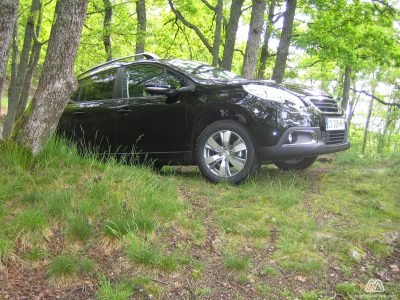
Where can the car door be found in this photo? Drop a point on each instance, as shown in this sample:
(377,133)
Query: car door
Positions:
(91,117)
(151,122)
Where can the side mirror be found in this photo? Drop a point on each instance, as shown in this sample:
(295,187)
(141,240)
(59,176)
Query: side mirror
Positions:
(189,88)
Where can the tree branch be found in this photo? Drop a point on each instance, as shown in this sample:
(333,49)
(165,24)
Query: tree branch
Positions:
(209,5)
(386,6)
(312,64)
(191,26)
(376,98)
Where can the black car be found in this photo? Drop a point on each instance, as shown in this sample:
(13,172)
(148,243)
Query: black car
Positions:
(184,112)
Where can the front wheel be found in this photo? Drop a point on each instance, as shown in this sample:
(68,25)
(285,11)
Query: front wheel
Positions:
(225,152)
(296,164)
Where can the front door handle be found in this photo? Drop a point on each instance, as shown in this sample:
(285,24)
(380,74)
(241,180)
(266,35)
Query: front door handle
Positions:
(123,110)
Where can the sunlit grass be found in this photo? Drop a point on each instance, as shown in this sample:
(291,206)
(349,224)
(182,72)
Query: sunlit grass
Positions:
(275,226)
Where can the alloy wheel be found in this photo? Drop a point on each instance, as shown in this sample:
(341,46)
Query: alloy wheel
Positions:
(225,153)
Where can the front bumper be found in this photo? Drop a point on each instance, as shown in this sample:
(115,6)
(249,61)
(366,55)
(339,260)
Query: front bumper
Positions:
(284,151)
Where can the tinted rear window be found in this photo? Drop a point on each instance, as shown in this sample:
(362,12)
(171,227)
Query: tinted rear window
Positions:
(97,87)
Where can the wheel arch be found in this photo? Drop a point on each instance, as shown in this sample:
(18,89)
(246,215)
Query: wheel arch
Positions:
(210,116)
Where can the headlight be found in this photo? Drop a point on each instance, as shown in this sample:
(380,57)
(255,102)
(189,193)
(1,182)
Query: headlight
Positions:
(272,94)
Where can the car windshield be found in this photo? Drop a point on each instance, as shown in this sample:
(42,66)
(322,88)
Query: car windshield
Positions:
(203,71)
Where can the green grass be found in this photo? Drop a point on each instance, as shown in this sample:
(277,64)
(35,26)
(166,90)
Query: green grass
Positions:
(67,266)
(78,229)
(76,216)
(31,220)
(235,262)
(63,266)
(119,291)
(147,253)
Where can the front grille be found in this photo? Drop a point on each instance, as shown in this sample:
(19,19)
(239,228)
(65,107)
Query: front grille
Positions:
(325,104)
(334,137)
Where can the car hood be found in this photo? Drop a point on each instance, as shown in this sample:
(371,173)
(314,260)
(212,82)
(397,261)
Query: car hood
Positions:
(303,90)
(296,89)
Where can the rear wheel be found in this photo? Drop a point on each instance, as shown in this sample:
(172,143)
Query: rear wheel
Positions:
(225,152)
(296,164)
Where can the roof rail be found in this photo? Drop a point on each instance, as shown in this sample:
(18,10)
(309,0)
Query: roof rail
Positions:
(146,55)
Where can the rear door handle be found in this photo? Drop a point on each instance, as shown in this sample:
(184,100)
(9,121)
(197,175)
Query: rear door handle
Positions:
(78,112)
(123,110)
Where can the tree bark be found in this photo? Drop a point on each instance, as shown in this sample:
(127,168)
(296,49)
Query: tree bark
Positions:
(284,42)
(108,12)
(57,81)
(14,60)
(352,104)
(231,30)
(16,88)
(388,124)
(141,26)
(8,17)
(267,36)
(254,39)
(346,87)
(33,61)
(217,35)
(24,96)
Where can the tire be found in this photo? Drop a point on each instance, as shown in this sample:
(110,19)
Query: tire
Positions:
(225,152)
(296,164)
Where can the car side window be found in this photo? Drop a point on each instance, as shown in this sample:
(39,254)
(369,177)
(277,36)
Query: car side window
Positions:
(97,87)
(137,77)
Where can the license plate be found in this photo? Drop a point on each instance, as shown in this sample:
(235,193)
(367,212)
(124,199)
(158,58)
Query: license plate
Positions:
(335,124)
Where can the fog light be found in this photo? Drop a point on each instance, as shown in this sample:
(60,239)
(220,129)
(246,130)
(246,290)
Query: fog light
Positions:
(314,136)
(292,137)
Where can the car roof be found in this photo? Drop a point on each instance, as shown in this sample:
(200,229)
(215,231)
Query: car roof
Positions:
(117,63)
(181,66)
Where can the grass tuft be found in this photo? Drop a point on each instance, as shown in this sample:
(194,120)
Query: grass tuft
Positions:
(236,262)
(67,266)
(79,230)
(119,291)
(31,220)
(144,252)
(62,266)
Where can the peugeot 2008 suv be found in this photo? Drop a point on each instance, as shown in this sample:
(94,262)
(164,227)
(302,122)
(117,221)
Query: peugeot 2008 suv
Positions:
(184,112)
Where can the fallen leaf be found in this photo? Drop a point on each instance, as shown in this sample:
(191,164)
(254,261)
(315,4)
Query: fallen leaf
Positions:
(301,278)
(395,268)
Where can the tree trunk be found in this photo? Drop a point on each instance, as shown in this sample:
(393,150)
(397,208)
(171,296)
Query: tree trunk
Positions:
(8,17)
(16,89)
(346,87)
(284,42)
(141,26)
(33,61)
(14,60)
(230,36)
(364,143)
(108,12)
(57,81)
(217,35)
(267,36)
(352,104)
(254,39)
(388,122)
